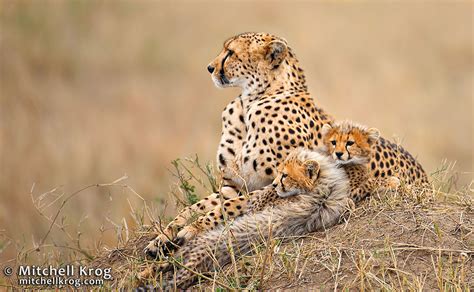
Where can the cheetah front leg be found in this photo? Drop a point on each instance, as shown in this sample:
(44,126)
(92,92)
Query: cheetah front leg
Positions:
(230,209)
(163,244)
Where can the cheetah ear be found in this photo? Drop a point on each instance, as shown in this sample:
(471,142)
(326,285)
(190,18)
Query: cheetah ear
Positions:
(312,169)
(325,129)
(374,135)
(275,53)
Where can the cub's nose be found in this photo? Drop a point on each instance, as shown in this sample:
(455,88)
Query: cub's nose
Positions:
(339,154)
(210,69)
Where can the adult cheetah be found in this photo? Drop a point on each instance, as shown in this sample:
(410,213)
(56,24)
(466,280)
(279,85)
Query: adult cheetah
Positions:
(273,115)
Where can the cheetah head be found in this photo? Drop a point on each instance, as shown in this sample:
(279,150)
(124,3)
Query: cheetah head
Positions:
(348,142)
(248,59)
(297,174)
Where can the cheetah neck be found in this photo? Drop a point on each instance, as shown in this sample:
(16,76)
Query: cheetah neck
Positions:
(288,77)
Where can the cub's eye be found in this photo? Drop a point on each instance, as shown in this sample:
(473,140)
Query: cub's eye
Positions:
(333,142)
(350,143)
(284,175)
(230,52)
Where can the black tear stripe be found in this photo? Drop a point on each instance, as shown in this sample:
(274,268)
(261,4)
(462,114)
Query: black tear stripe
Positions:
(229,53)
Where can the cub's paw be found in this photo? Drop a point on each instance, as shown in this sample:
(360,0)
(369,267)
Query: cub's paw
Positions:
(161,246)
(151,250)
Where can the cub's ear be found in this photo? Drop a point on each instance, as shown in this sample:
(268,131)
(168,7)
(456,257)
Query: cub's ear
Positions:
(311,169)
(275,53)
(374,135)
(325,129)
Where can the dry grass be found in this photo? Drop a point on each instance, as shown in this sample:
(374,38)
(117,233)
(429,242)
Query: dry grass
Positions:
(412,239)
(93,90)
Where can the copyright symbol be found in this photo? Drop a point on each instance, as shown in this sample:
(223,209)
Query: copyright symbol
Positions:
(8,271)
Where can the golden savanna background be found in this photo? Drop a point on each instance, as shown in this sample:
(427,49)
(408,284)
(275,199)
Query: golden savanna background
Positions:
(93,90)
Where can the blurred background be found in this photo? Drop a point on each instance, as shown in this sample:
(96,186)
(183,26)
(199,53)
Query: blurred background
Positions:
(93,90)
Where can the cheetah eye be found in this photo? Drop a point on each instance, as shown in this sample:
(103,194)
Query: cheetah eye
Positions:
(350,143)
(333,142)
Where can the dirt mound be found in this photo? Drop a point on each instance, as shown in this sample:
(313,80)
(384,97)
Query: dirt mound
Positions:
(403,240)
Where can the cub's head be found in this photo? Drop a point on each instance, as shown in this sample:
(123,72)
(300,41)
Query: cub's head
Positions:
(298,174)
(247,59)
(348,142)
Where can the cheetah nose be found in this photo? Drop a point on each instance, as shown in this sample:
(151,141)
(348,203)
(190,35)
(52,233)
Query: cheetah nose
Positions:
(210,69)
(339,154)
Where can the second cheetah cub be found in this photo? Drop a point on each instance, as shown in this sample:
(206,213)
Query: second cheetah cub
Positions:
(351,146)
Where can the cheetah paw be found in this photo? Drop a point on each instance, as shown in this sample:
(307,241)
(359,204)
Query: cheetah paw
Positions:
(159,247)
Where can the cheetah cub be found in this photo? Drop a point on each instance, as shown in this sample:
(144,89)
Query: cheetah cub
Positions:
(294,176)
(351,146)
(309,193)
